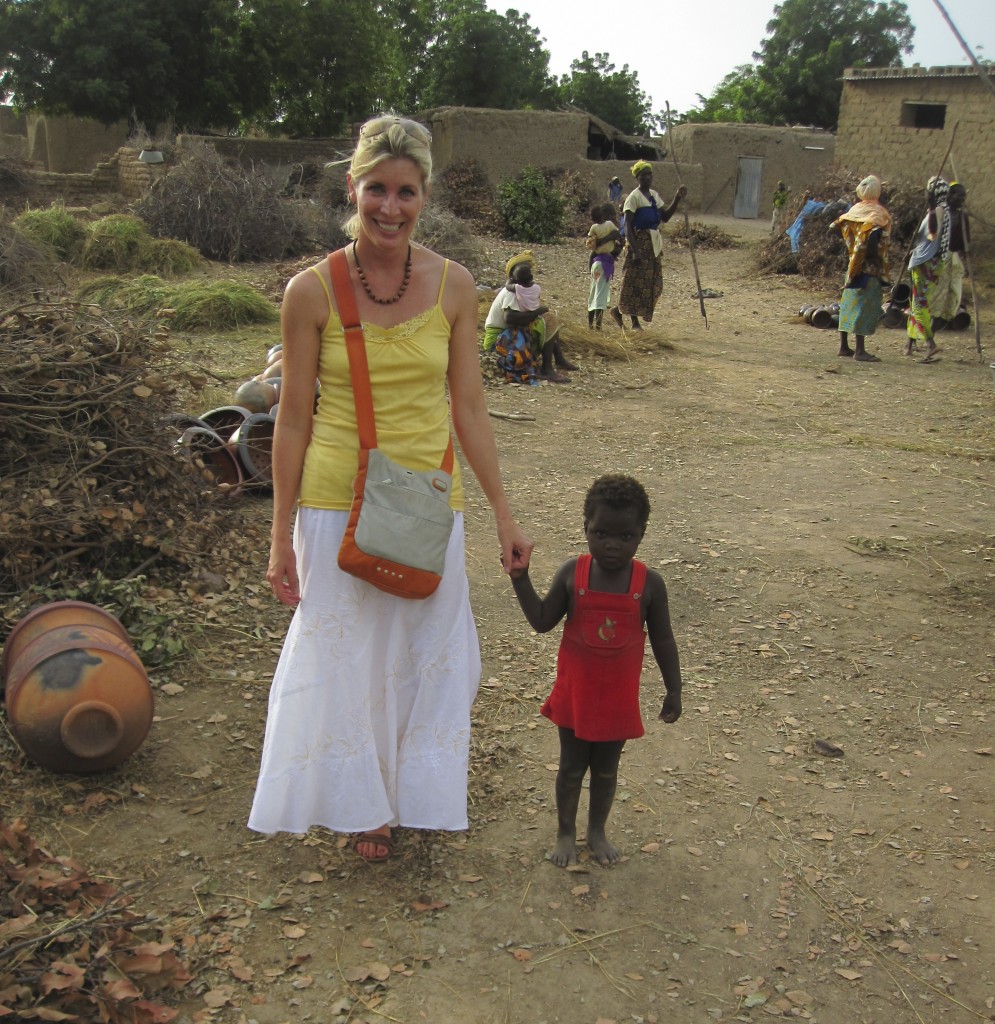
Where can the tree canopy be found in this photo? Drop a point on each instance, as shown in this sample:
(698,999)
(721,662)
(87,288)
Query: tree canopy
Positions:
(485,59)
(113,61)
(594,85)
(285,66)
(809,44)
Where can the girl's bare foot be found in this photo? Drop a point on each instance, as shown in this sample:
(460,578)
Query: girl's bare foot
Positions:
(565,852)
(604,851)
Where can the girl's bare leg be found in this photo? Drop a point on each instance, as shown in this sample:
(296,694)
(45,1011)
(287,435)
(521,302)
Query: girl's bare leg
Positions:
(575,756)
(604,760)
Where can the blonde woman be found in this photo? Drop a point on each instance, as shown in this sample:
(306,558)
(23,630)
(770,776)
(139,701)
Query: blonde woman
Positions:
(369,715)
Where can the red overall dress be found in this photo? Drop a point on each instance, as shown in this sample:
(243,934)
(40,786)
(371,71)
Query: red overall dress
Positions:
(596,693)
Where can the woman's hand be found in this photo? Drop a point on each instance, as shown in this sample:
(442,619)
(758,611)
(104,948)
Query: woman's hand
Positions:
(516,546)
(282,573)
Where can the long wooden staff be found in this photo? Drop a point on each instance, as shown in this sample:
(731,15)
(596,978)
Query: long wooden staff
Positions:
(970,272)
(687,223)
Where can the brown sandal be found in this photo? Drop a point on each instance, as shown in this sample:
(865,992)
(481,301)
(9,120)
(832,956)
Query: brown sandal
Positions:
(374,839)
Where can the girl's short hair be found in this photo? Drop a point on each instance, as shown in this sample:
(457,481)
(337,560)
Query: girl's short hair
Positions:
(617,491)
(386,137)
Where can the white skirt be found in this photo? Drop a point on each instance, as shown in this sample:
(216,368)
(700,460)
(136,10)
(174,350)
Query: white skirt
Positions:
(369,711)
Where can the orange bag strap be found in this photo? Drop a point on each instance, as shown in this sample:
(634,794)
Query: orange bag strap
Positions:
(359,368)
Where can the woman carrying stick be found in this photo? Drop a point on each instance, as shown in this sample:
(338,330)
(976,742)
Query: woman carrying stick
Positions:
(642,274)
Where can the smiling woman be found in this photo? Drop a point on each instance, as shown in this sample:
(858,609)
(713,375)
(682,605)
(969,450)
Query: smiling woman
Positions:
(369,714)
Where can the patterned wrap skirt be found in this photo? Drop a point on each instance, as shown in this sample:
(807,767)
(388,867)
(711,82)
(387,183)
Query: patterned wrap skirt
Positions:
(642,278)
(860,308)
(369,711)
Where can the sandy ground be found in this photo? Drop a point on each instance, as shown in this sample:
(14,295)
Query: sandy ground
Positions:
(825,530)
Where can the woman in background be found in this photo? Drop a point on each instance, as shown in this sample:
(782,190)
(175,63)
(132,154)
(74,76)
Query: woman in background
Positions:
(866,229)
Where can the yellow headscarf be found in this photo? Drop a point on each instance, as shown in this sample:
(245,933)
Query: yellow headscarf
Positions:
(523,257)
(639,166)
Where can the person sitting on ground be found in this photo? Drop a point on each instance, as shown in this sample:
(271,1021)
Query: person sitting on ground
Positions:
(504,313)
(527,292)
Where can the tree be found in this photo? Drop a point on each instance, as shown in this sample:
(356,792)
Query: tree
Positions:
(809,44)
(326,63)
(144,60)
(595,86)
(485,59)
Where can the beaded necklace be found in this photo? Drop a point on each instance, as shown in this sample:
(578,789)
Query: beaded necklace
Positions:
(396,297)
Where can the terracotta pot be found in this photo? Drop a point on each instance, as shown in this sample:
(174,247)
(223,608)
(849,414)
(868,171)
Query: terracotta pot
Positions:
(804,310)
(177,422)
(77,696)
(45,617)
(961,320)
(253,445)
(213,451)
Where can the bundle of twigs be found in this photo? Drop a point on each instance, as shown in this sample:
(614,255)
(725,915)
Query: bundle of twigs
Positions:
(821,255)
(88,475)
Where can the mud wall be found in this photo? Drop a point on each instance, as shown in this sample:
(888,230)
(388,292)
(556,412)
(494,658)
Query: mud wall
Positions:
(71,145)
(798,156)
(878,132)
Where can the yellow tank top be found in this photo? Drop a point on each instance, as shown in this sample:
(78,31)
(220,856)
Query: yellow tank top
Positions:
(408,365)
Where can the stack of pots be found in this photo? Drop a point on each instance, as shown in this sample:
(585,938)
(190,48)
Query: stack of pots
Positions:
(76,693)
(824,317)
(234,445)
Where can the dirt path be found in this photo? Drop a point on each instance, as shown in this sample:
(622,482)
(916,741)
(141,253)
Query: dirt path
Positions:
(825,529)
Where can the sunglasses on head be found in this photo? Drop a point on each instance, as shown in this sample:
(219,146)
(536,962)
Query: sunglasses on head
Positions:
(381,125)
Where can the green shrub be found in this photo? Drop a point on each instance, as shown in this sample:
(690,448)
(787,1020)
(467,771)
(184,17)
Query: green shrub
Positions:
(114,243)
(55,228)
(531,207)
(168,256)
(25,263)
(217,305)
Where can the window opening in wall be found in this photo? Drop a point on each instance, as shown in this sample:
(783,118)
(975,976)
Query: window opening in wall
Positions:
(923,115)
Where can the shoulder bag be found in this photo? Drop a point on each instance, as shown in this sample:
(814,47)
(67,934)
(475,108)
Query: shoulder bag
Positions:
(400,520)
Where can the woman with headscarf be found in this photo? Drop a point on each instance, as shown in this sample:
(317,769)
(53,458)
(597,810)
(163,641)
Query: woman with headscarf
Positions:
(865,228)
(642,275)
(935,267)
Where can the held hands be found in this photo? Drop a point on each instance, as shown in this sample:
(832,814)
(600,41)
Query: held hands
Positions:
(516,547)
(671,709)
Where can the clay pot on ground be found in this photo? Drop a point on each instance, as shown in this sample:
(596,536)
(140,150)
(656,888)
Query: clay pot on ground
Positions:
(257,395)
(77,695)
(253,445)
(217,458)
(822,318)
(226,419)
(893,316)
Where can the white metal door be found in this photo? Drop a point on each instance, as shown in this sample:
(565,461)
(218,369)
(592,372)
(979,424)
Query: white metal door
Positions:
(747,202)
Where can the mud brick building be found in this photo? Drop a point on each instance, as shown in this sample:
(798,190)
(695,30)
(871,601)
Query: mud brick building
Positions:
(899,122)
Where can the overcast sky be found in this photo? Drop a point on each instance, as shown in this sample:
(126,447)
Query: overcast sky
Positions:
(680,50)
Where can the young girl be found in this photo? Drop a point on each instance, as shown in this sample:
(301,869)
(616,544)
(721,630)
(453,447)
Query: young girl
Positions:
(608,598)
(601,240)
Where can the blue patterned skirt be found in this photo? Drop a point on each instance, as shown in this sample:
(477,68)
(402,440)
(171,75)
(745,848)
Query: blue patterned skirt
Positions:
(860,308)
